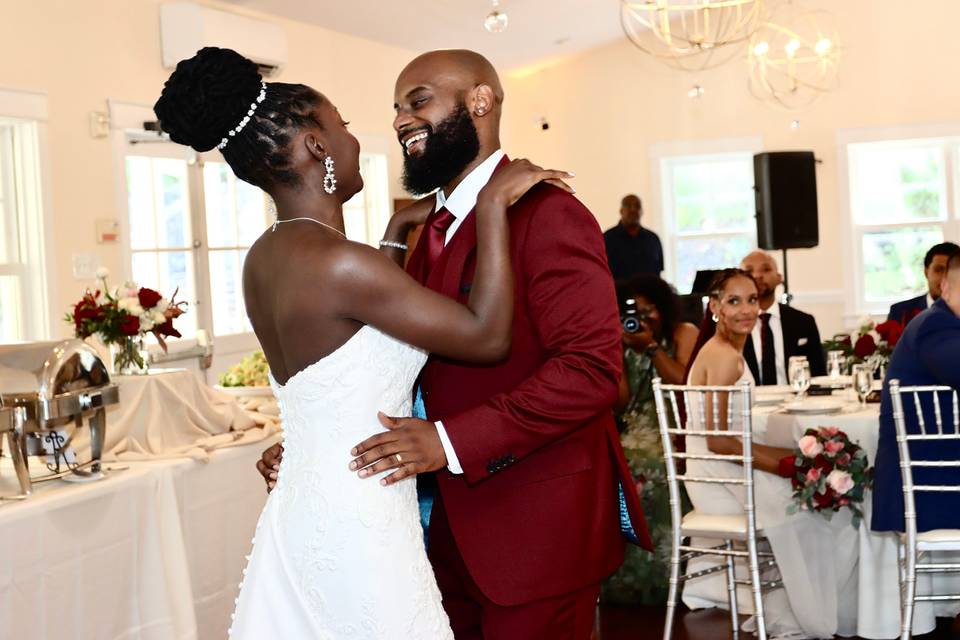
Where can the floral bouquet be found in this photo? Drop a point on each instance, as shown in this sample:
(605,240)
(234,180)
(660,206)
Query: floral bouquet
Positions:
(872,345)
(828,473)
(251,371)
(123,317)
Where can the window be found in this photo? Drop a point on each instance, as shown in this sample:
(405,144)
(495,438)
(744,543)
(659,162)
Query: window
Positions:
(366,214)
(22,284)
(902,201)
(708,207)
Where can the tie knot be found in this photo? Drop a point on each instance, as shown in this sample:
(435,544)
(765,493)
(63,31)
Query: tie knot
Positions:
(765,317)
(442,220)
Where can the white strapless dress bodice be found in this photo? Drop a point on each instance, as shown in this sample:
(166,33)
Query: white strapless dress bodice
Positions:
(336,556)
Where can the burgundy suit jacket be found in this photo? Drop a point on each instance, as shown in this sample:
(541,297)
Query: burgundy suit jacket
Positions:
(535,513)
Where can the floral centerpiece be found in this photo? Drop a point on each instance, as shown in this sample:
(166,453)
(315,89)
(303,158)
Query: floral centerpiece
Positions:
(122,318)
(872,344)
(828,473)
(251,371)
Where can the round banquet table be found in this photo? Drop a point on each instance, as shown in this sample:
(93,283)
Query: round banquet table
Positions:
(878,599)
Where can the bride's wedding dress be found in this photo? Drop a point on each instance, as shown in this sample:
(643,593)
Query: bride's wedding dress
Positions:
(337,556)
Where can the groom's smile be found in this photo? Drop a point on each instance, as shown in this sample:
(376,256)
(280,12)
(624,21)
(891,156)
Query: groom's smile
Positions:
(414,142)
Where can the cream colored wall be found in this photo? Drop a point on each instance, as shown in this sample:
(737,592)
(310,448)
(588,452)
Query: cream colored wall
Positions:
(607,107)
(83,52)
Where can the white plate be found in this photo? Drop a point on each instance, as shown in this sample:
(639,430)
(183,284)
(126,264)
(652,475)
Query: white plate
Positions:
(815,405)
(771,394)
(838,382)
(245,391)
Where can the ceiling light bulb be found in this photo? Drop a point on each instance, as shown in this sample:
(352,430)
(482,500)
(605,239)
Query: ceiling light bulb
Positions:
(792,47)
(795,125)
(761,48)
(695,91)
(496,22)
(823,46)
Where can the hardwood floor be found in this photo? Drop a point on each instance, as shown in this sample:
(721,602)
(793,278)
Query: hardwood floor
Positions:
(646,623)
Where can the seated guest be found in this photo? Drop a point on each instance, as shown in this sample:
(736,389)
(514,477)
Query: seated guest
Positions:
(816,557)
(928,353)
(631,249)
(934,268)
(783,332)
(661,348)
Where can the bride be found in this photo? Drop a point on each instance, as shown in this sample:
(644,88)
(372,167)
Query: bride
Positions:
(345,331)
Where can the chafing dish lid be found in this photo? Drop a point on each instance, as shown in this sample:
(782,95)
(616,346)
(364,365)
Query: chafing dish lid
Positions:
(53,368)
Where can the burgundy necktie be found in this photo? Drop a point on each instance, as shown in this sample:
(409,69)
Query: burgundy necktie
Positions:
(768,361)
(436,230)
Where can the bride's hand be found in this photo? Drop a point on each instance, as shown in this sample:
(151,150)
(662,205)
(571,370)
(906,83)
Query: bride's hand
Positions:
(512,181)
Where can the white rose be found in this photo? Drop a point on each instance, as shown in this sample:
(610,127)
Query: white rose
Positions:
(103,273)
(840,481)
(131,305)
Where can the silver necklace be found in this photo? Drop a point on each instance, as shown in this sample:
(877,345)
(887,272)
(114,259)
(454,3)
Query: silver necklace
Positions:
(277,222)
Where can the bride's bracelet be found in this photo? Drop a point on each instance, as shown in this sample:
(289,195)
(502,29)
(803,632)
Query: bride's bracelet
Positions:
(393,245)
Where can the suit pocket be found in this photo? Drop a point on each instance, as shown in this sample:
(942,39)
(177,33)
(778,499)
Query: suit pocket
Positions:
(802,342)
(563,458)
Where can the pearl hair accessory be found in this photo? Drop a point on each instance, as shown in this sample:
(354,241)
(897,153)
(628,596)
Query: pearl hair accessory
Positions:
(253,107)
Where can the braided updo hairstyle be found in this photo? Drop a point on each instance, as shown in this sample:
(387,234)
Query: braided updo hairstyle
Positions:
(209,94)
(720,280)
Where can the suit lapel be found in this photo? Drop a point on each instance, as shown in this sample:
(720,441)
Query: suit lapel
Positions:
(750,355)
(790,338)
(448,272)
(416,266)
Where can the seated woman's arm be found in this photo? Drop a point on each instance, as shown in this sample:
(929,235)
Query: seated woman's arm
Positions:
(726,372)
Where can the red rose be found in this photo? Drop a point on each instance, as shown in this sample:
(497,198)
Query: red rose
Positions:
(821,463)
(130,325)
(823,499)
(866,346)
(788,466)
(148,298)
(891,330)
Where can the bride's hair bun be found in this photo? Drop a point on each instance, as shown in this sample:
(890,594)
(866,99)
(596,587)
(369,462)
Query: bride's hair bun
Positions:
(207,96)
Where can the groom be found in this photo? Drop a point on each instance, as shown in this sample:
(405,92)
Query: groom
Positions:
(526,522)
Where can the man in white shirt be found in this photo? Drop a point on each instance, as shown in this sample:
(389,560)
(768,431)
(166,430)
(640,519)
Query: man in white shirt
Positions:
(781,331)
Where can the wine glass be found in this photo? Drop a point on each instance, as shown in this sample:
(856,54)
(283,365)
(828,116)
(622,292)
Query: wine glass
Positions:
(862,381)
(799,375)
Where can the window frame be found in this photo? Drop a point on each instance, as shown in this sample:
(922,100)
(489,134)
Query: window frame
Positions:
(661,201)
(946,137)
(37,316)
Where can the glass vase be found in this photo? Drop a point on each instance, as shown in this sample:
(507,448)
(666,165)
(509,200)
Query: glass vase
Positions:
(129,357)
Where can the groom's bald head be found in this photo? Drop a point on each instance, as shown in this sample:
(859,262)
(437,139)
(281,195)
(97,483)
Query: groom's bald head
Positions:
(448,115)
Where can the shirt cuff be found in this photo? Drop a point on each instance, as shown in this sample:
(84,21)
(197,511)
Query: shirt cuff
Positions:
(453,463)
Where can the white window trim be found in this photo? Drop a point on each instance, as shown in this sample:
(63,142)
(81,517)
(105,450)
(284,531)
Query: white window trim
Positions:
(32,105)
(686,148)
(853,265)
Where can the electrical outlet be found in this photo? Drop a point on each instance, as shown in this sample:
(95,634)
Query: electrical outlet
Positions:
(85,266)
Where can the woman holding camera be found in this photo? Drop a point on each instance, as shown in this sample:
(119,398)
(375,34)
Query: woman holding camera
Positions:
(656,345)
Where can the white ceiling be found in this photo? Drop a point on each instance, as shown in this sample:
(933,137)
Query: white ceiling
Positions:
(539,30)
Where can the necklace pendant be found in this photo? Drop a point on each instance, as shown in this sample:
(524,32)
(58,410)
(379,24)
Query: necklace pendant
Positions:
(275,223)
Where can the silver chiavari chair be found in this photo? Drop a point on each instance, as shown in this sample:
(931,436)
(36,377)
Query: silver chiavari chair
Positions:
(911,544)
(729,529)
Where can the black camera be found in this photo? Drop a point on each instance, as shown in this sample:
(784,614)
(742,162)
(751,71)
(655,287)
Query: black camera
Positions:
(631,319)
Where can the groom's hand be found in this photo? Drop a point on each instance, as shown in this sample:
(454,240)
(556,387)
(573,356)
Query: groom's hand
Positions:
(410,446)
(269,464)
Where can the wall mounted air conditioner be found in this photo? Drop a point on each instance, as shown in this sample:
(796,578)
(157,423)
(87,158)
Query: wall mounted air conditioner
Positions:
(186,27)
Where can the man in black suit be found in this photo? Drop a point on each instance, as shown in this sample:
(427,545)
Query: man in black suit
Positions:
(934,268)
(782,331)
(631,248)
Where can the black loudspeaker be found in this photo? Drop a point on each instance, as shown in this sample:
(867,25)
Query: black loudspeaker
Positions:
(786,189)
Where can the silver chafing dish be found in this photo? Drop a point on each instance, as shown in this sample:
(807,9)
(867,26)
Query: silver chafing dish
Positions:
(52,389)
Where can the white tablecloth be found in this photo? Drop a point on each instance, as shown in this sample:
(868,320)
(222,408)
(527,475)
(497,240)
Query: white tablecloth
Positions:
(878,608)
(170,413)
(154,552)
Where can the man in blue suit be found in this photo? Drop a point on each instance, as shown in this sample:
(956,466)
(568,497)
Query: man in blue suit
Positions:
(934,268)
(928,353)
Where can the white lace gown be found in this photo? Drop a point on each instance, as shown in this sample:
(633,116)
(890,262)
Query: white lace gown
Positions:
(336,556)
(817,558)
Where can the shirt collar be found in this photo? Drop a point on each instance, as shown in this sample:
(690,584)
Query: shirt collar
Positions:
(464,196)
(774,310)
(930,300)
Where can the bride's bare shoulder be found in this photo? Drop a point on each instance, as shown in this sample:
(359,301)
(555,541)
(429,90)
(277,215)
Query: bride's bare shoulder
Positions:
(720,362)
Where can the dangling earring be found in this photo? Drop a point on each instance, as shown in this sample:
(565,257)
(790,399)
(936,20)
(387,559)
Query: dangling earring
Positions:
(329,180)
(715,318)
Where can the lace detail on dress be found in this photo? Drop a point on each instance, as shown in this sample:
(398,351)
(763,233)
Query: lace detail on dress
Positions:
(345,553)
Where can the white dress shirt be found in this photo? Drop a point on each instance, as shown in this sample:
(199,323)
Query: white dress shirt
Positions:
(460,203)
(930,300)
(757,336)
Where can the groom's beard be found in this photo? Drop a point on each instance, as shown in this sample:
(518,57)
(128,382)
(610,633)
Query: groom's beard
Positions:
(451,146)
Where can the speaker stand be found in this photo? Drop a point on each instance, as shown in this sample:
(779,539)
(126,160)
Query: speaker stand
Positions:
(787,296)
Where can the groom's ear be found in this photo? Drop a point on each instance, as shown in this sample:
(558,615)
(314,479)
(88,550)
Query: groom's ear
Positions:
(314,147)
(483,100)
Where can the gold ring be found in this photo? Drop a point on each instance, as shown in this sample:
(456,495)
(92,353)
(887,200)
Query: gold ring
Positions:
(399,459)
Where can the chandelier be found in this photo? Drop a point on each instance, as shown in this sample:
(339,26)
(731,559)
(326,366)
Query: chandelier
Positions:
(691,34)
(496,21)
(794,57)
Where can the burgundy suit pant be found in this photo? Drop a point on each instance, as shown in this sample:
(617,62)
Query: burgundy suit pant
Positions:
(473,616)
